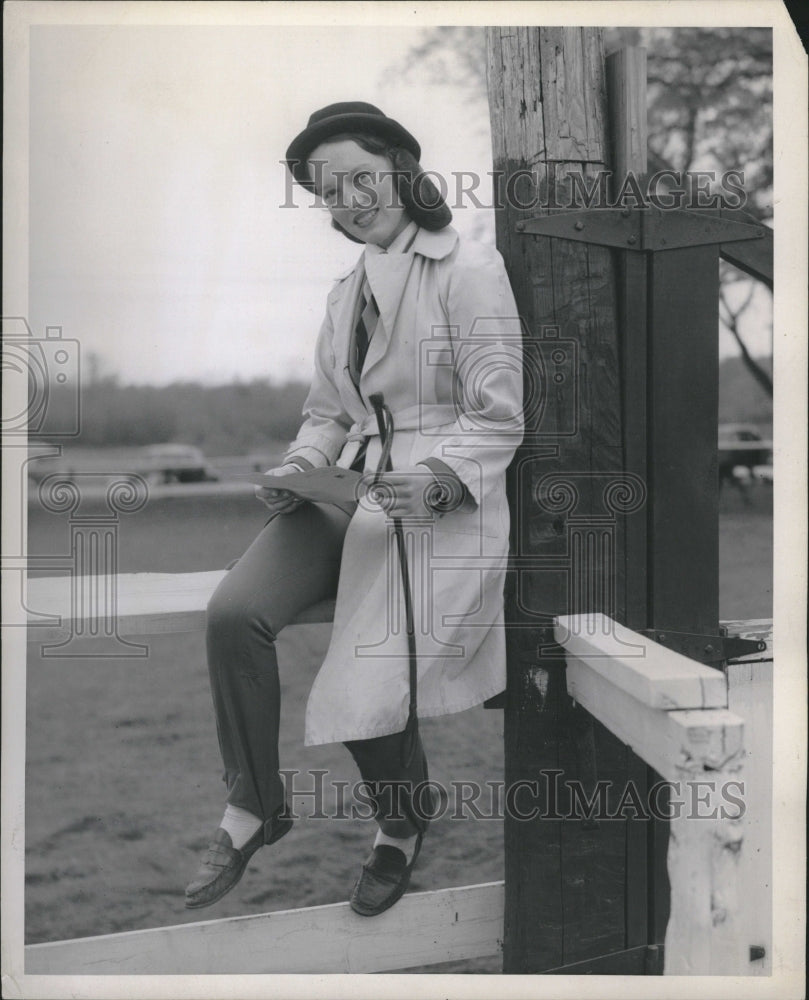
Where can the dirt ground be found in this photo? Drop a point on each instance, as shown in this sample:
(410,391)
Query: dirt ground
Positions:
(122,766)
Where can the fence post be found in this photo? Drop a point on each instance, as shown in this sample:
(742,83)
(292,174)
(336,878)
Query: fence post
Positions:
(566,881)
(648,906)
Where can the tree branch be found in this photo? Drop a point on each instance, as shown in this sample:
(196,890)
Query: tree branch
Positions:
(731,321)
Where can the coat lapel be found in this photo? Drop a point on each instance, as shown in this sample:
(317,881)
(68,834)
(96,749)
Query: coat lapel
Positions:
(344,318)
(388,275)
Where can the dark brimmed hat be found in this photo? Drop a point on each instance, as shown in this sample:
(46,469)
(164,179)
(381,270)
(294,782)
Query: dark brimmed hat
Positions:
(347,116)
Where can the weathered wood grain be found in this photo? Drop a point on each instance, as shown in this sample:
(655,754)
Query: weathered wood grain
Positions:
(547,108)
(705,934)
(750,695)
(626,105)
(573,94)
(706,928)
(626,84)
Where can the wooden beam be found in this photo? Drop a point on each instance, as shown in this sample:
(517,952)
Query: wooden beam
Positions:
(750,695)
(711,870)
(145,604)
(626,89)
(565,897)
(157,491)
(648,672)
(706,930)
(668,708)
(662,738)
(702,752)
(754,257)
(156,603)
(424,928)
(627,101)
(683,569)
(628,130)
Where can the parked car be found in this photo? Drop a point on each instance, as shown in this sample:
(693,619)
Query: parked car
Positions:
(176,463)
(741,447)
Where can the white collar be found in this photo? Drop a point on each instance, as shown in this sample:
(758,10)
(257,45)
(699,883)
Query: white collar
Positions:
(435,245)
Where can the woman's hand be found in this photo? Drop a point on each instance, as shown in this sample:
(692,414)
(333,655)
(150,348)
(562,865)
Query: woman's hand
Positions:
(405,492)
(279,501)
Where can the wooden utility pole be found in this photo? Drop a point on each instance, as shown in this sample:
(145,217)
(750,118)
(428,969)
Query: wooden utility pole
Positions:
(575,890)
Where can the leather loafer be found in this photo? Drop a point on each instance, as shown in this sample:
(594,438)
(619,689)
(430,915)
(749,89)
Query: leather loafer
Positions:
(384,879)
(223,864)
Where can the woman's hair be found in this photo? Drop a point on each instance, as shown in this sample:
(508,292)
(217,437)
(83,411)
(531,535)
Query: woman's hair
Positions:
(421,199)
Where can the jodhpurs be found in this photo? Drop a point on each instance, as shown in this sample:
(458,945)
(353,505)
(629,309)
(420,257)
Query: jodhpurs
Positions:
(293,563)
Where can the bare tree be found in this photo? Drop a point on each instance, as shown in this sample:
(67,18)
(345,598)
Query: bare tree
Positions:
(730,317)
(710,102)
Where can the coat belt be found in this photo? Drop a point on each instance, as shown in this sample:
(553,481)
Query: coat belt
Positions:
(411,418)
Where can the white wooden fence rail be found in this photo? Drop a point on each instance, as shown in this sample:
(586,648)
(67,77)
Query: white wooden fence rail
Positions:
(144,604)
(424,928)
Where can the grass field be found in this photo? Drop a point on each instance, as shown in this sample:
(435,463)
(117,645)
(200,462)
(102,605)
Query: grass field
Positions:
(122,765)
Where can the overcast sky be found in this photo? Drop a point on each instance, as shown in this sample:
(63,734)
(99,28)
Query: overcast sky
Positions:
(157,236)
(157,239)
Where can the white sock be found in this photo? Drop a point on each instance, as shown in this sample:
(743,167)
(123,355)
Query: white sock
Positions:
(240,824)
(406,845)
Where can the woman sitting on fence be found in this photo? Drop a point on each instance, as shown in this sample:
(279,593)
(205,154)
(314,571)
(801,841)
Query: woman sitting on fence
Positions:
(427,320)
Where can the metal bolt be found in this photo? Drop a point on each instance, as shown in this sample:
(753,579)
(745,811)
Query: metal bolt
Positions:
(632,239)
(757,951)
(709,648)
(661,637)
(520,227)
(625,213)
(579,226)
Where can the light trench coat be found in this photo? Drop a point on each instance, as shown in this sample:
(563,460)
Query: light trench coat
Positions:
(446,354)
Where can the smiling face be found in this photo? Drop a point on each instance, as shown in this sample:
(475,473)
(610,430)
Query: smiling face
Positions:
(359,191)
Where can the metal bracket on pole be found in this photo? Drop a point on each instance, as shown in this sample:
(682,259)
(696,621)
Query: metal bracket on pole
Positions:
(672,289)
(645,228)
(706,649)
